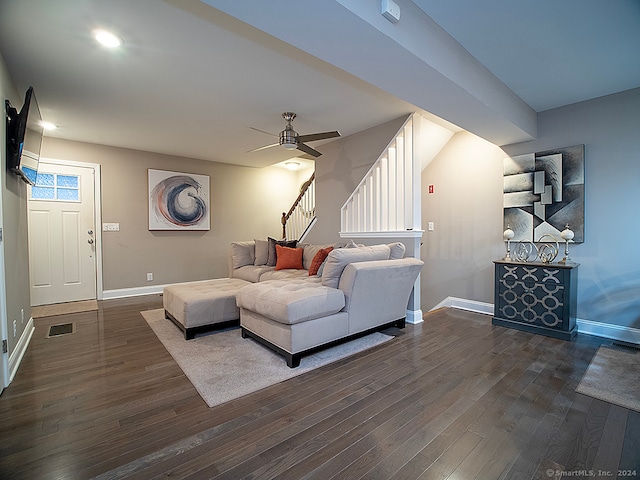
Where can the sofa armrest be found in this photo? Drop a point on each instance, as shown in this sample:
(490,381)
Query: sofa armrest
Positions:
(377,292)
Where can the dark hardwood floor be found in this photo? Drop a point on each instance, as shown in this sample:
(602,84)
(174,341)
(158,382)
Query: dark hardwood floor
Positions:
(451,398)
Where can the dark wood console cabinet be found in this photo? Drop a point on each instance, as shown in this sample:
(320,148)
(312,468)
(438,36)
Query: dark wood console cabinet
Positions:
(536,297)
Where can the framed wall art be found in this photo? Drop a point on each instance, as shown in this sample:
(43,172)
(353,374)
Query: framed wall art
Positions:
(544,192)
(178,201)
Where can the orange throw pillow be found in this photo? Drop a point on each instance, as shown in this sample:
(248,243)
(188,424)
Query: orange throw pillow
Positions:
(287,257)
(318,259)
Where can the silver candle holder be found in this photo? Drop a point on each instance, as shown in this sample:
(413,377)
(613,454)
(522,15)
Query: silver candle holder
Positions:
(567,235)
(508,234)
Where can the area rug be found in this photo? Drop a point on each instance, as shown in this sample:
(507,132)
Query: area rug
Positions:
(63,308)
(223,366)
(613,377)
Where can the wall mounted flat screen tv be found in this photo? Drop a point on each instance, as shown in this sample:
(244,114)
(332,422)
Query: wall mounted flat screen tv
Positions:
(24,137)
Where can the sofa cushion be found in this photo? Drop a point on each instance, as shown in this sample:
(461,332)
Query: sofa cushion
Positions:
(288,273)
(242,253)
(321,269)
(310,251)
(397,250)
(339,258)
(290,302)
(272,258)
(319,257)
(251,273)
(287,257)
(262,252)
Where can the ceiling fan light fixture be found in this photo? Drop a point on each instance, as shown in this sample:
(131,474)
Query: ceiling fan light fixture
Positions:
(289,138)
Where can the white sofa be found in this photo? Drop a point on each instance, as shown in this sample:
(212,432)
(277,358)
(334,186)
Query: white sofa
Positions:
(361,289)
(196,307)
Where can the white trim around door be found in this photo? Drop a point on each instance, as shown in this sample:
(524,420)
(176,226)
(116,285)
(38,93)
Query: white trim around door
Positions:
(97,213)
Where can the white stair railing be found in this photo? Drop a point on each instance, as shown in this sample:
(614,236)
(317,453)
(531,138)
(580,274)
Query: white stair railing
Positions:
(302,215)
(388,197)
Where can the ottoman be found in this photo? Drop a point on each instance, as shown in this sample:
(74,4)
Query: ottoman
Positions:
(293,318)
(204,305)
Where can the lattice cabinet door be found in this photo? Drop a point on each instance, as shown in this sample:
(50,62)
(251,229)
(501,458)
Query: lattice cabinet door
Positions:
(536,297)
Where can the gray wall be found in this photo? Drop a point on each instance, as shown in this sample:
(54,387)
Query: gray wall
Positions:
(246,203)
(14,229)
(609,273)
(467,209)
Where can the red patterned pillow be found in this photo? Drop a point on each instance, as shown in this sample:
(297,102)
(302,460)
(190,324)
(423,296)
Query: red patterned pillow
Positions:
(318,259)
(287,257)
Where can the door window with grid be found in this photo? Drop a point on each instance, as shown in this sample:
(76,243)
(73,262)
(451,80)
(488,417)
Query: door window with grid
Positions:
(55,187)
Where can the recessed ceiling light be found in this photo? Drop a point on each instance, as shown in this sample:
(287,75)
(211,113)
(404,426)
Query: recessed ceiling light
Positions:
(292,165)
(48,125)
(107,39)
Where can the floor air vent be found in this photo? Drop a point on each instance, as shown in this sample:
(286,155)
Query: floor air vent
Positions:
(628,346)
(63,329)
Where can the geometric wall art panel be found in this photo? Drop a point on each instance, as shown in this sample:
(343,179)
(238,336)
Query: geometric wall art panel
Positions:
(544,192)
(178,201)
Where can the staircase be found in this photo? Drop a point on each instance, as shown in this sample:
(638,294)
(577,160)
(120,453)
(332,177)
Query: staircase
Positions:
(386,203)
(297,222)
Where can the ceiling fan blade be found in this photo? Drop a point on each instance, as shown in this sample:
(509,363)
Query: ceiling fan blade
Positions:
(263,148)
(307,149)
(262,131)
(318,136)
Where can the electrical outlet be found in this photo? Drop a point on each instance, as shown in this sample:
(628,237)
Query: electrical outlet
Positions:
(15,329)
(149,277)
(430,226)
(22,315)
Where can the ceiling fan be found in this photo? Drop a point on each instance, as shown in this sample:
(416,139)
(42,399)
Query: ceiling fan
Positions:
(290,139)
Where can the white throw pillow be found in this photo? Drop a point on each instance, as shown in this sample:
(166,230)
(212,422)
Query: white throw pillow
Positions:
(397,250)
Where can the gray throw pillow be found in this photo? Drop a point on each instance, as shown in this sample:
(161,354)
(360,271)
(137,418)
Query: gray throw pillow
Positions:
(272,257)
(262,252)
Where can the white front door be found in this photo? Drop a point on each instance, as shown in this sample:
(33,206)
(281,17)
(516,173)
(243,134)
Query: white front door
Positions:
(62,235)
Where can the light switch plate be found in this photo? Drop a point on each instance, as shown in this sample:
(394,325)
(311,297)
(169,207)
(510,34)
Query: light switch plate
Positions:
(110,227)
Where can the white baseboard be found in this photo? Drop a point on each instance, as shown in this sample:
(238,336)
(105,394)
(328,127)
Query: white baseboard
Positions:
(132,292)
(16,356)
(464,304)
(607,330)
(587,327)
(414,317)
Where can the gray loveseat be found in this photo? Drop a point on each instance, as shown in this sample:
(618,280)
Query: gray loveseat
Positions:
(360,290)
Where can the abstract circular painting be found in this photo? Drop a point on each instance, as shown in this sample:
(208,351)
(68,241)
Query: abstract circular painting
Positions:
(178,201)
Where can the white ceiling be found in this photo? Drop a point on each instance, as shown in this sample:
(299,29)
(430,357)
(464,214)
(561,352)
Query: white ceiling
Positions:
(190,79)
